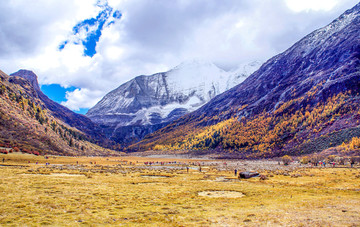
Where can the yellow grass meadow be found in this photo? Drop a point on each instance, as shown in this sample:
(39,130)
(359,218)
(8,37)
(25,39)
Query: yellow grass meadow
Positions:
(77,191)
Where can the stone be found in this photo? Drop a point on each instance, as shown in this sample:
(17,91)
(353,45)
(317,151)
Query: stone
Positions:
(247,174)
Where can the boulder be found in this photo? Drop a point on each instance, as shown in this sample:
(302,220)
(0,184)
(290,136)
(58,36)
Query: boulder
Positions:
(247,174)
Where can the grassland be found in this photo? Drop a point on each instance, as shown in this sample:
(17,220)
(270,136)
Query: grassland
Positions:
(76,191)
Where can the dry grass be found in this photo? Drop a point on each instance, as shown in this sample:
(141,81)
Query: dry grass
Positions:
(113,192)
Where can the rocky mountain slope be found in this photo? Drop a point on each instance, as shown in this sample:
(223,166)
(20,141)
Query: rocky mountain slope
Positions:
(78,121)
(300,101)
(31,122)
(147,103)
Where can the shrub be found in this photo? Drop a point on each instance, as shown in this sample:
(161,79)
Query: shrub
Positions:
(286,159)
(305,160)
(315,159)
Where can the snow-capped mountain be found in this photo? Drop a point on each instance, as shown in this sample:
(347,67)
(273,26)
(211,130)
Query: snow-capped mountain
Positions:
(147,103)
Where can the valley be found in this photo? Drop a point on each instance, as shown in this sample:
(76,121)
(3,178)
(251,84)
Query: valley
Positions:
(128,191)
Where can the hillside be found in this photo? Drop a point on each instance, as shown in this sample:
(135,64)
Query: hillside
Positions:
(303,100)
(29,124)
(78,121)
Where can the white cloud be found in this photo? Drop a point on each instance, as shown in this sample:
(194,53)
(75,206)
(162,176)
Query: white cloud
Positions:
(82,98)
(306,5)
(152,36)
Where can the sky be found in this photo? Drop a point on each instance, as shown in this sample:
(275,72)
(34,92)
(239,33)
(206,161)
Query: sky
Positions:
(83,49)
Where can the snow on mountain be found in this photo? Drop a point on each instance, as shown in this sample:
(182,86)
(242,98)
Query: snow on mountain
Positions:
(241,73)
(160,98)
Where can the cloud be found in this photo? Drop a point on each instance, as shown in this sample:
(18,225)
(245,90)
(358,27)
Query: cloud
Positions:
(28,26)
(85,96)
(147,36)
(307,5)
(88,32)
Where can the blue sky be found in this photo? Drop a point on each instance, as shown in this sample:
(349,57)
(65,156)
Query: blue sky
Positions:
(57,93)
(90,29)
(83,49)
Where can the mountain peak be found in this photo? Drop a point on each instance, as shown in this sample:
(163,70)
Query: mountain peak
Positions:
(28,75)
(348,15)
(356,8)
(195,63)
